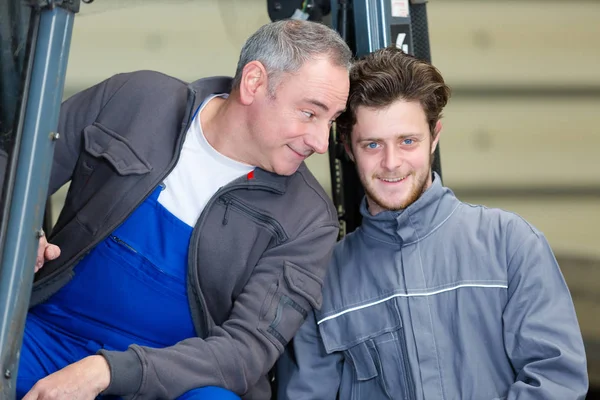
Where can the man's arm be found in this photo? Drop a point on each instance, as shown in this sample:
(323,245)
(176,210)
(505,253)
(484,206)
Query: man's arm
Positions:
(306,371)
(283,288)
(541,334)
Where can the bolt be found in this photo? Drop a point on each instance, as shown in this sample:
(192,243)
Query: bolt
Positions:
(7,374)
(277,6)
(54,135)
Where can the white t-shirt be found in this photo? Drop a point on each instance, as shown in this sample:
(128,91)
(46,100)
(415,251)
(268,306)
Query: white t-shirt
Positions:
(199,173)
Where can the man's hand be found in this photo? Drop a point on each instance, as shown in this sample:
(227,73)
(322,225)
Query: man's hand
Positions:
(46,252)
(83,380)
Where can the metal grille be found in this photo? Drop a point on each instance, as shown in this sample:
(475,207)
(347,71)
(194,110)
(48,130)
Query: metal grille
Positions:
(420,31)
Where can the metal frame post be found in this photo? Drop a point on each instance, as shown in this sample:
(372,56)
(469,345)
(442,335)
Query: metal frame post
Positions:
(422,50)
(31,180)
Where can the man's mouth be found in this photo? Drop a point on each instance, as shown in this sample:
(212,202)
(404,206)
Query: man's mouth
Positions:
(299,154)
(393,179)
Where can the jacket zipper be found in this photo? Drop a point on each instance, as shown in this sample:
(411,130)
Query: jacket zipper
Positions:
(123,243)
(270,223)
(408,381)
(193,248)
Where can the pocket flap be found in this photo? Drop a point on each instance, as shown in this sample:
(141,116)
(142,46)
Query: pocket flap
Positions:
(101,142)
(349,327)
(362,361)
(304,283)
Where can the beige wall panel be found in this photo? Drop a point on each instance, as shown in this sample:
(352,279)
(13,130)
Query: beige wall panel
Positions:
(483,42)
(521,142)
(516,42)
(187,39)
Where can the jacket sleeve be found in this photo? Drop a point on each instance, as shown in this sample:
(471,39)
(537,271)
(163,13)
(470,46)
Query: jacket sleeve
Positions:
(77,112)
(541,334)
(274,303)
(306,371)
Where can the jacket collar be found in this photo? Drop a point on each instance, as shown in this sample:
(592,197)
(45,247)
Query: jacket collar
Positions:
(415,222)
(202,88)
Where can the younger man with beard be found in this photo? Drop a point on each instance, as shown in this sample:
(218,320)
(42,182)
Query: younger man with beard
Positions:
(430,298)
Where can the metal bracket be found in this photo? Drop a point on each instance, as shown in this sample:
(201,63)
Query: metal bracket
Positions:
(69,5)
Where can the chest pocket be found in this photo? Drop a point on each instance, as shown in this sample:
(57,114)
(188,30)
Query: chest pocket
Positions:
(101,142)
(372,340)
(108,160)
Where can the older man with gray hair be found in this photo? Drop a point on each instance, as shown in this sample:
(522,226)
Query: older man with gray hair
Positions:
(194,240)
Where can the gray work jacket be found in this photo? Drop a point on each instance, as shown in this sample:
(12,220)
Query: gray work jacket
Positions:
(444,300)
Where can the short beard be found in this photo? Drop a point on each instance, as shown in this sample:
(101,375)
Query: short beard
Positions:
(416,192)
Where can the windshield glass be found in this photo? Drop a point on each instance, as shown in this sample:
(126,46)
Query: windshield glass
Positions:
(14,26)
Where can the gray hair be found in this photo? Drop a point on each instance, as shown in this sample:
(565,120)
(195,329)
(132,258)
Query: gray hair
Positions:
(284,46)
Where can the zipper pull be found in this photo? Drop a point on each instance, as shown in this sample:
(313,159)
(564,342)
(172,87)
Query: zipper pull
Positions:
(227,202)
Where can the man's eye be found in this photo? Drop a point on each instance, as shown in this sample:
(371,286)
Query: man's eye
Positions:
(408,141)
(372,145)
(308,114)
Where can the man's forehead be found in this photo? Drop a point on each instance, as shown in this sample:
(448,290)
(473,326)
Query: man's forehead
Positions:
(376,128)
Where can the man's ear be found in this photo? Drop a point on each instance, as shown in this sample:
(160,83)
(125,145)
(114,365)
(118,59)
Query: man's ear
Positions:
(254,80)
(436,135)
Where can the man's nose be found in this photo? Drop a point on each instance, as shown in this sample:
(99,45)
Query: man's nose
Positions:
(392,158)
(318,139)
